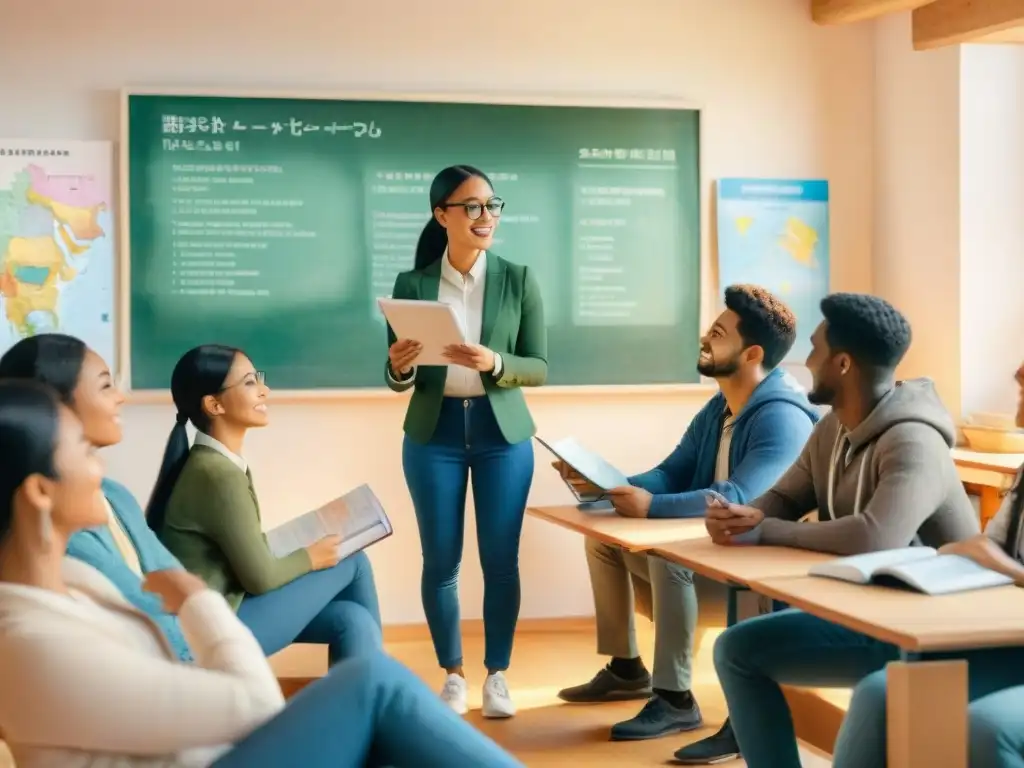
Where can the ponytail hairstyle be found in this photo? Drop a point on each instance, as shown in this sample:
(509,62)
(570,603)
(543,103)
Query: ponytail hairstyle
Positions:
(29,425)
(434,239)
(200,373)
(1016,511)
(54,359)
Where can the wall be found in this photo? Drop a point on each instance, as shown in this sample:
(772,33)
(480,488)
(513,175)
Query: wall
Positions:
(949,188)
(781,97)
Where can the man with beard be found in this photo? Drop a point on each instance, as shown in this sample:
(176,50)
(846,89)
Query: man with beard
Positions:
(736,447)
(879,471)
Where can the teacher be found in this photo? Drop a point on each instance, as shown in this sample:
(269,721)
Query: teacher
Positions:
(469,418)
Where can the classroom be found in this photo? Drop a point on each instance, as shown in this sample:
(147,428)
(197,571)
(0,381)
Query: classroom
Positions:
(909,109)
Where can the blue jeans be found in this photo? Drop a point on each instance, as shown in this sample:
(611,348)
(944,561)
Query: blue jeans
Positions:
(336,607)
(995,689)
(369,711)
(467,442)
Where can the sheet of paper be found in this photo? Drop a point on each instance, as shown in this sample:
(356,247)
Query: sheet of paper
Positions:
(357,517)
(587,463)
(432,323)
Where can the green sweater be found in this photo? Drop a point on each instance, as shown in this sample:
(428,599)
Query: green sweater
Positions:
(213,527)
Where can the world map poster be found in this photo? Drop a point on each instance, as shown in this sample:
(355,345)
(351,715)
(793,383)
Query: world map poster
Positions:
(775,233)
(57,242)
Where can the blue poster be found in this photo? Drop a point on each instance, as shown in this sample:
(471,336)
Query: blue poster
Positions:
(774,233)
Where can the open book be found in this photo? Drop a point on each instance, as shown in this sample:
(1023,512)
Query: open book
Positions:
(589,465)
(357,517)
(919,568)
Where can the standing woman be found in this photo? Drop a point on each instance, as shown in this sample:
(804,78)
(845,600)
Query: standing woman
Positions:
(469,419)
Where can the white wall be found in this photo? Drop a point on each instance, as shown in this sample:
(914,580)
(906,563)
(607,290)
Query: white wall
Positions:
(949,191)
(992,225)
(781,96)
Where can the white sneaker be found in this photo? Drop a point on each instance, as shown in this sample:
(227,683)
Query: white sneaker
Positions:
(497,701)
(454,694)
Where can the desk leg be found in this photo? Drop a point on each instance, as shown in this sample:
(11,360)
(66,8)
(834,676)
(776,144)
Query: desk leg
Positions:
(927,714)
(991,500)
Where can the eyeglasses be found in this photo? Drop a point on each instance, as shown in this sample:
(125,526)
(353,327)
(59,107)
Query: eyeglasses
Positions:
(475,210)
(256,377)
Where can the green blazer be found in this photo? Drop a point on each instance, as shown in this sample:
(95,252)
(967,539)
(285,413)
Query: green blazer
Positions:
(513,326)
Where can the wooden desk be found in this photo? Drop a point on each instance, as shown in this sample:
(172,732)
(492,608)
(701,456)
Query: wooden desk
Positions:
(990,475)
(927,701)
(628,533)
(739,565)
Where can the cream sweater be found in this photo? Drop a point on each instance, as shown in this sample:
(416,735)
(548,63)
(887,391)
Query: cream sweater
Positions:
(89,681)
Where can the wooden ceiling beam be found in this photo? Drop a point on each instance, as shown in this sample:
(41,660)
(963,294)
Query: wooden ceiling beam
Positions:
(849,11)
(951,22)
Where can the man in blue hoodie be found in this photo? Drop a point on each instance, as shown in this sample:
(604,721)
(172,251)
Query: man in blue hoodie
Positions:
(737,446)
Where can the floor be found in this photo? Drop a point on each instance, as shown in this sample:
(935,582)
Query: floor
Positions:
(547,732)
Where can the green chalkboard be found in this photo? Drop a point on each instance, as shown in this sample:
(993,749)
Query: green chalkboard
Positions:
(273,224)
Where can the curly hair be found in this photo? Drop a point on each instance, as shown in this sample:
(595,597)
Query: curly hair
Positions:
(765,321)
(869,329)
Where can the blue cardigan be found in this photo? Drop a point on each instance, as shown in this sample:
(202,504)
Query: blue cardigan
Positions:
(767,438)
(96,546)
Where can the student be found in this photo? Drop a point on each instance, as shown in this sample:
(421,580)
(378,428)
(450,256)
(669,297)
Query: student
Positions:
(204,508)
(124,548)
(738,445)
(996,676)
(469,418)
(879,471)
(87,679)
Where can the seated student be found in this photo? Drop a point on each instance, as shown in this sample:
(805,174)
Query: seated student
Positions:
(996,676)
(123,548)
(879,471)
(738,445)
(204,508)
(89,680)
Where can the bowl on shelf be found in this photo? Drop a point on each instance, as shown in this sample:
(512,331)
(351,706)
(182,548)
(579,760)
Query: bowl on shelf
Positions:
(991,440)
(1003,421)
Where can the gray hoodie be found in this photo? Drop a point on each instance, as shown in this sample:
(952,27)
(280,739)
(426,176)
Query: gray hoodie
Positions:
(888,483)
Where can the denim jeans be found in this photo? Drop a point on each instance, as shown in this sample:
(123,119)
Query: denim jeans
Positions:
(336,607)
(755,657)
(468,443)
(367,712)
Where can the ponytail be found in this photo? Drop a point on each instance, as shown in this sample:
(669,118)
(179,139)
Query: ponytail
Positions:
(430,247)
(175,456)
(199,373)
(1016,511)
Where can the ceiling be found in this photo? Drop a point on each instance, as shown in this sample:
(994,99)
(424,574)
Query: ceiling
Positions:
(936,23)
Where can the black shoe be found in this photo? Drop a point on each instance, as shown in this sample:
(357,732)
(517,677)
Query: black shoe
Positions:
(607,686)
(658,718)
(719,748)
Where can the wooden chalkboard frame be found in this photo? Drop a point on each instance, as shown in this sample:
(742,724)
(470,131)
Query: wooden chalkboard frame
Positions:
(707,274)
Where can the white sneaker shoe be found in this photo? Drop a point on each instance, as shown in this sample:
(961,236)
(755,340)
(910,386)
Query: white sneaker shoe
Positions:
(454,694)
(497,701)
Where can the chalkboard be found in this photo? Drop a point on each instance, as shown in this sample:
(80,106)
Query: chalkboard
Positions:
(273,224)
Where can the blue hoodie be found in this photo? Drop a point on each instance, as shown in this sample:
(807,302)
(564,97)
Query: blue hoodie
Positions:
(96,546)
(767,438)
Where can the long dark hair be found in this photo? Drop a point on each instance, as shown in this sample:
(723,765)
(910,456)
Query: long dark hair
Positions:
(52,358)
(1016,511)
(434,239)
(29,420)
(199,373)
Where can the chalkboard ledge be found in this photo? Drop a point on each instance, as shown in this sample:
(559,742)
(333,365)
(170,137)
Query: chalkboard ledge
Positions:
(702,390)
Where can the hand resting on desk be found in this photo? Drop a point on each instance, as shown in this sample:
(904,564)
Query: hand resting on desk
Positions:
(730,524)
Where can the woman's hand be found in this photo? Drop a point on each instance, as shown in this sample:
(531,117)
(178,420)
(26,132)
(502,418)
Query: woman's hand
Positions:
(324,553)
(474,356)
(173,587)
(402,354)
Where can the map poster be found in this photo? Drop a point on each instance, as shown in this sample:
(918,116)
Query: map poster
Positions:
(774,233)
(57,242)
